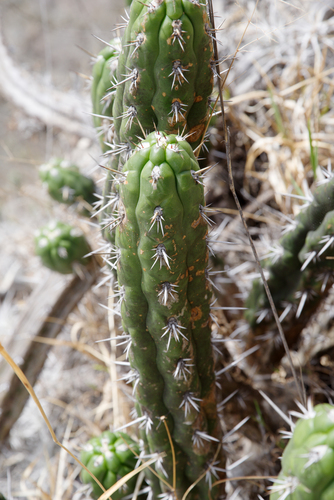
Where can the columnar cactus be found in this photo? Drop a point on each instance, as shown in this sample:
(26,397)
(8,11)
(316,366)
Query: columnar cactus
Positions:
(164,72)
(308,460)
(165,305)
(109,458)
(65,183)
(155,201)
(61,246)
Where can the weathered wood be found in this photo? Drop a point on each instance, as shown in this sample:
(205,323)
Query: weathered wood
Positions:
(47,310)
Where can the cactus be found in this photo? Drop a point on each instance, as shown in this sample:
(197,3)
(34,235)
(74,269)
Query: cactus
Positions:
(308,460)
(102,92)
(286,271)
(300,272)
(65,183)
(165,304)
(61,246)
(109,458)
(165,72)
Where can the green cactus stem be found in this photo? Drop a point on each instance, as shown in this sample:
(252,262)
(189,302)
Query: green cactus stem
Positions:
(109,458)
(164,72)
(165,305)
(299,279)
(308,460)
(103,93)
(66,184)
(285,272)
(61,247)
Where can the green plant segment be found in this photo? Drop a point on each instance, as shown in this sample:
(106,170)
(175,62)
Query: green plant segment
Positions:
(66,184)
(164,74)
(165,305)
(103,93)
(61,247)
(285,273)
(308,460)
(109,458)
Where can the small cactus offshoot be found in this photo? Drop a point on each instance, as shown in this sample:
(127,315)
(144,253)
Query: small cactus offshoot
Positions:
(308,460)
(110,458)
(65,183)
(61,247)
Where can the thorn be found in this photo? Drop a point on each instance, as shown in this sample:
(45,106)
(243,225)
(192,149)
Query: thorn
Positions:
(174,330)
(188,401)
(182,368)
(177,73)
(166,293)
(107,43)
(161,255)
(157,218)
(140,39)
(177,32)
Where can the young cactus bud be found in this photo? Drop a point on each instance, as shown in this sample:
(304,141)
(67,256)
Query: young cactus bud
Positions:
(61,246)
(109,458)
(164,72)
(308,460)
(103,91)
(166,305)
(65,183)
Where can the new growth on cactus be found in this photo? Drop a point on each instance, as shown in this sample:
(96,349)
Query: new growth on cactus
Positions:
(109,458)
(66,184)
(61,247)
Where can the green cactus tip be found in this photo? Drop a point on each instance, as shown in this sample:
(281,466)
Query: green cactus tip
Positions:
(61,246)
(109,458)
(308,460)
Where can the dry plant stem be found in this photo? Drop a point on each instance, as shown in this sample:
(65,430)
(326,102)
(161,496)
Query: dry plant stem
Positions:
(16,397)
